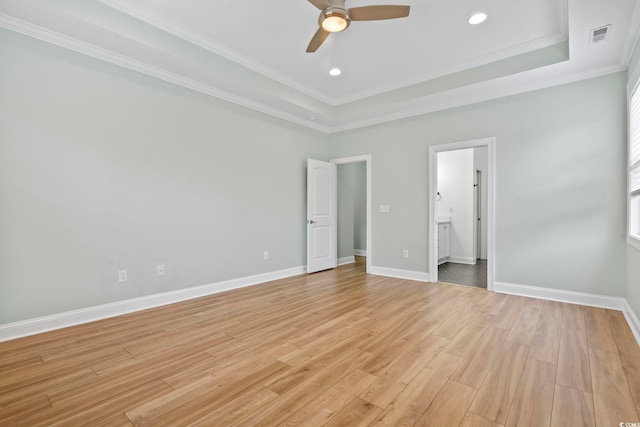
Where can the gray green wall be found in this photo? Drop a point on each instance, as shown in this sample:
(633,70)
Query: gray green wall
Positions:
(360,206)
(352,208)
(345,210)
(103,169)
(560,190)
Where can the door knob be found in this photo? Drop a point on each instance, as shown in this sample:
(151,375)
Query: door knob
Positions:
(311,221)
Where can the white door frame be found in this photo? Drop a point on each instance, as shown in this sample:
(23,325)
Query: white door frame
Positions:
(433,189)
(367,159)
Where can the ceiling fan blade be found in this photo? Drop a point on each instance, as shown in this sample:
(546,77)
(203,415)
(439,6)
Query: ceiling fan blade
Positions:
(318,38)
(375,13)
(320,4)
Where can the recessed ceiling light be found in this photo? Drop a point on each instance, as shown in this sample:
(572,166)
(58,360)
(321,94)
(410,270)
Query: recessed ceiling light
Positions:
(335,71)
(477,18)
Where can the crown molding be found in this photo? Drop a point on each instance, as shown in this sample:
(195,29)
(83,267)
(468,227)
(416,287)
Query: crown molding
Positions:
(52,37)
(462,66)
(437,102)
(478,93)
(153,19)
(183,33)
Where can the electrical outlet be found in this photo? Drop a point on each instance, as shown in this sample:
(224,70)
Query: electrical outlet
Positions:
(405,253)
(160,270)
(266,255)
(122,276)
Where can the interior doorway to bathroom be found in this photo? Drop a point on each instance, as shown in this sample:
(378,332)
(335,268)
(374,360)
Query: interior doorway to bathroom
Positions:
(461,214)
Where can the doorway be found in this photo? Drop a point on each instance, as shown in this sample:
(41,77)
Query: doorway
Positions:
(357,241)
(461,213)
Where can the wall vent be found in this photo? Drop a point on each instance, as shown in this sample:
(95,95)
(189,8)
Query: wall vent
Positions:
(597,35)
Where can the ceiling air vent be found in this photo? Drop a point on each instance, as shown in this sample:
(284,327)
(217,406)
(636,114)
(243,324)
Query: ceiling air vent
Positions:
(598,34)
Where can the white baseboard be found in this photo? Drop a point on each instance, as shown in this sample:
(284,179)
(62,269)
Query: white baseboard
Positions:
(632,320)
(570,297)
(400,274)
(462,260)
(346,260)
(360,252)
(25,328)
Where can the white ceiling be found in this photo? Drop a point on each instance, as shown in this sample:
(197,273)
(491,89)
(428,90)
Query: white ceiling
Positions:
(252,52)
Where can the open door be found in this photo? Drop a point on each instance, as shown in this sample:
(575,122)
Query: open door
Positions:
(322,216)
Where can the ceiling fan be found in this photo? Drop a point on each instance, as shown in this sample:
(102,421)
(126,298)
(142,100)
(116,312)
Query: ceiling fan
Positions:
(335,17)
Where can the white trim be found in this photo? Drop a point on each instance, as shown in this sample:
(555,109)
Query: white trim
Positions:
(153,19)
(93,51)
(489,58)
(462,260)
(367,159)
(346,260)
(445,100)
(632,37)
(360,252)
(571,297)
(467,95)
(633,87)
(401,274)
(490,143)
(25,328)
(186,34)
(632,320)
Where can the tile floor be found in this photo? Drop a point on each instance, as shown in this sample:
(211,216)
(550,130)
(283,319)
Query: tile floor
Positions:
(464,274)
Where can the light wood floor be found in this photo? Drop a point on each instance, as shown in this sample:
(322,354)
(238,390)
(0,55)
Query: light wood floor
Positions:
(338,348)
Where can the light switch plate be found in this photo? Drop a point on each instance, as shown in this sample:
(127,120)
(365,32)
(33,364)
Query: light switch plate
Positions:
(384,208)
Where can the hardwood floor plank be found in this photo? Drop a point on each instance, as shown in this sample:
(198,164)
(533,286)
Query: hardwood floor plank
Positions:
(305,391)
(573,317)
(329,403)
(101,413)
(550,326)
(478,361)
(553,309)
(499,387)
(573,360)
(455,324)
(633,378)
(533,401)
(525,326)
(625,341)
(599,333)
(545,348)
(410,404)
(611,394)
(390,383)
(572,408)
(357,413)
(449,407)
(237,409)
(509,313)
(473,420)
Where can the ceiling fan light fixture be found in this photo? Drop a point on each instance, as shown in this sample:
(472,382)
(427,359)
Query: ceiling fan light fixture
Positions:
(477,18)
(334,19)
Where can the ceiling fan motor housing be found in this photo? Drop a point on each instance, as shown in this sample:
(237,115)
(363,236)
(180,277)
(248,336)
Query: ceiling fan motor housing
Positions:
(336,11)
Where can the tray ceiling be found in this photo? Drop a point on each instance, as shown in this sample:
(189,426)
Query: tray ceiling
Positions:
(252,52)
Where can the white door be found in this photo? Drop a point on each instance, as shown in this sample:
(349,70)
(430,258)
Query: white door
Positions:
(322,216)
